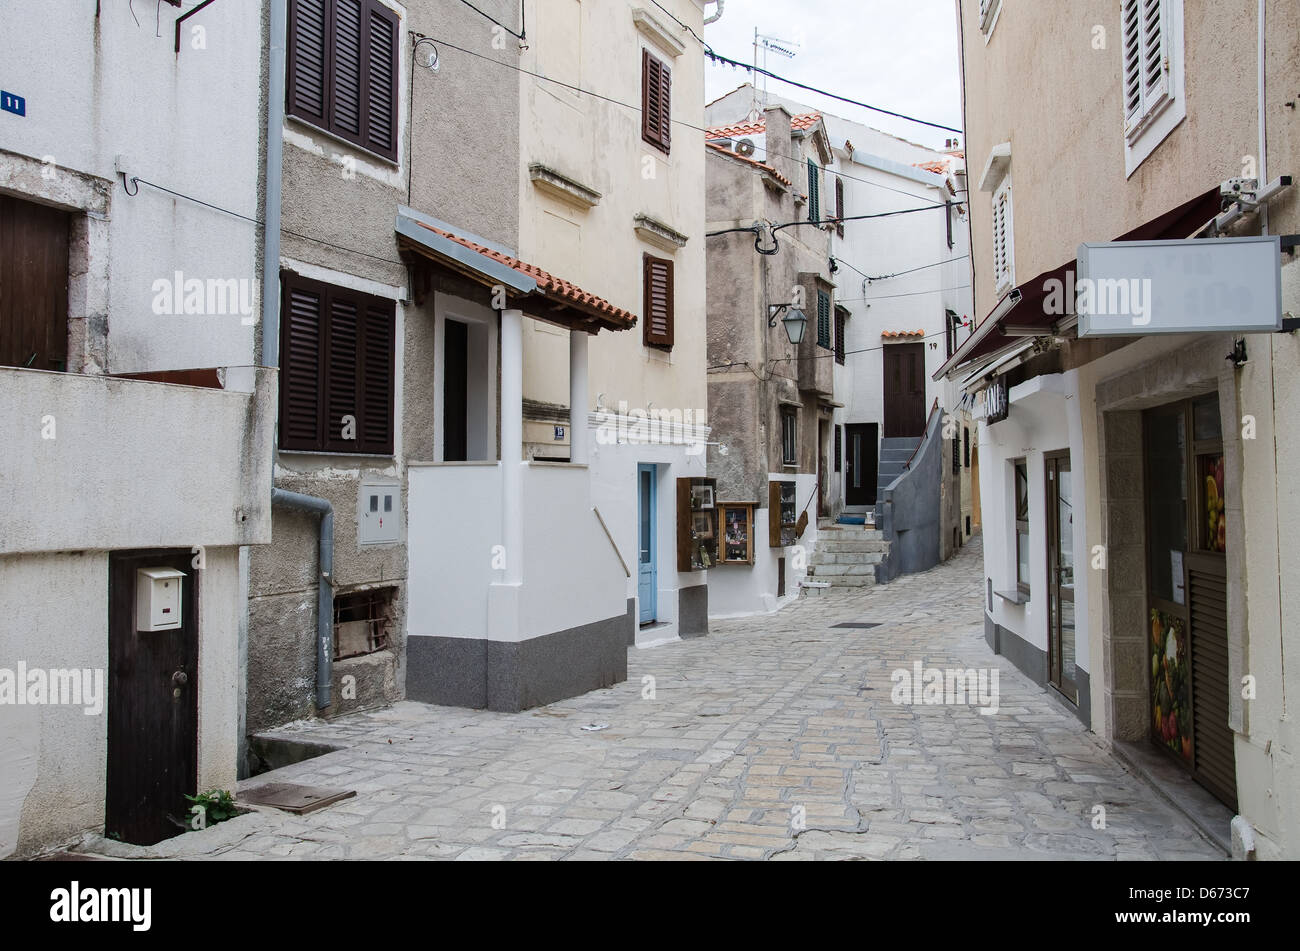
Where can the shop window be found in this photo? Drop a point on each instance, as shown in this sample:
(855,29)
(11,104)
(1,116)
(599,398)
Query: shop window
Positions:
(1022,526)
(363,622)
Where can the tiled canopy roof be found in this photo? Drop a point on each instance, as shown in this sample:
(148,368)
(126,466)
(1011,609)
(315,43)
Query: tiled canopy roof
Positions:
(749,161)
(555,289)
(899,334)
(799,123)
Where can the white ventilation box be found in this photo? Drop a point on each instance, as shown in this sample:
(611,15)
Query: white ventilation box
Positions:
(158,599)
(379,514)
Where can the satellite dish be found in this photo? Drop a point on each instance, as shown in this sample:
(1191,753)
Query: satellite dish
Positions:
(745,148)
(426,54)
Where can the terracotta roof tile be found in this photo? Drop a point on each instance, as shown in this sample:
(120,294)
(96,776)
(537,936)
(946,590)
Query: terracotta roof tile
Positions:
(749,161)
(899,334)
(548,285)
(799,123)
(939,168)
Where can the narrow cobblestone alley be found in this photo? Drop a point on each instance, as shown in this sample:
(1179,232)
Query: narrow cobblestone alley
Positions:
(775,737)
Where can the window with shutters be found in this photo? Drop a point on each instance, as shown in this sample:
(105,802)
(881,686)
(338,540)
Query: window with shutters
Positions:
(1152,56)
(839,206)
(656,101)
(789,436)
(823,320)
(814,192)
(657,314)
(989,10)
(839,448)
(841,316)
(1004,273)
(336,370)
(965,443)
(342,70)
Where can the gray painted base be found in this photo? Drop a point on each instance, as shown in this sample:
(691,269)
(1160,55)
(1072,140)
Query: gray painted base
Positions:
(693,611)
(1032,662)
(508,677)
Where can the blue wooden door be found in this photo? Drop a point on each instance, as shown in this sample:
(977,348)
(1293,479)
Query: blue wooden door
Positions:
(647,581)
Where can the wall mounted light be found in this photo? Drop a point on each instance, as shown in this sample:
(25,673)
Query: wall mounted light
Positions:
(795,321)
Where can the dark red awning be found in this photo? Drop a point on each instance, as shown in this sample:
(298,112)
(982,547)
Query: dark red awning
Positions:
(1030,315)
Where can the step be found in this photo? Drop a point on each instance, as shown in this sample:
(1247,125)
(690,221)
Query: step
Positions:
(852,581)
(851,546)
(830,572)
(847,558)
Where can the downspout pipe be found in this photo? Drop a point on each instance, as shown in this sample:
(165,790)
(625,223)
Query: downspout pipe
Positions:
(271,345)
(325,596)
(279,26)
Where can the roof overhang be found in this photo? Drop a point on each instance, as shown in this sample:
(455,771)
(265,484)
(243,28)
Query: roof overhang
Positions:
(1039,308)
(538,293)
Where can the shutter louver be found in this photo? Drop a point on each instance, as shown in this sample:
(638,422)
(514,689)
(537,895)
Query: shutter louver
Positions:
(823,320)
(656,101)
(814,192)
(381,88)
(345,112)
(300,384)
(341,376)
(377,380)
(308,64)
(1212,738)
(1146,54)
(658,283)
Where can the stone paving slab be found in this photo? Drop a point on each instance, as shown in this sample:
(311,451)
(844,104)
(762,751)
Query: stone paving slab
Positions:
(773,738)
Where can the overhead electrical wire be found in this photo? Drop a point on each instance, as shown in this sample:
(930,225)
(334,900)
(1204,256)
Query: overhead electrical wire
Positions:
(522,35)
(718,57)
(637,109)
(821,356)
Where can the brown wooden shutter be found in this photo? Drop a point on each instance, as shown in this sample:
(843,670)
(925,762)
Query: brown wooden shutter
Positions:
(346,81)
(341,353)
(381,80)
(658,311)
(656,101)
(337,360)
(774,515)
(376,434)
(308,66)
(300,369)
(684,541)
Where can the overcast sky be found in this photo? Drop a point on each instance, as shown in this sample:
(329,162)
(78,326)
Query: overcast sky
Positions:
(900,55)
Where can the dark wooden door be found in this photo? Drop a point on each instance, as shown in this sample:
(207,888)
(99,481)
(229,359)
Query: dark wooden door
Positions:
(455,398)
(152,706)
(861,452)
(904,389)
(33,285)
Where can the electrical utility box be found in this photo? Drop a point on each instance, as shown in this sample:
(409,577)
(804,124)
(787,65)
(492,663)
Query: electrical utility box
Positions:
(379,515)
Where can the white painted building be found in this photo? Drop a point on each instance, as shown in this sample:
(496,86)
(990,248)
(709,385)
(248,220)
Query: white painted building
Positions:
(138,422)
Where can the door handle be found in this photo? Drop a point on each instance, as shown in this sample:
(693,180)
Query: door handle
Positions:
(180,678)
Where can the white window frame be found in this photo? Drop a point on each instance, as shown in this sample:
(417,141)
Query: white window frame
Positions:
(989,11)
(1004,264)
(1151,81)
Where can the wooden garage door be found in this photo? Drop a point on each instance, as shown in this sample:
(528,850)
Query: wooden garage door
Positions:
(33,285)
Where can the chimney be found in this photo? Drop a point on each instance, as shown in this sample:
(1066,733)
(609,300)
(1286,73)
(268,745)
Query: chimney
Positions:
(780,147)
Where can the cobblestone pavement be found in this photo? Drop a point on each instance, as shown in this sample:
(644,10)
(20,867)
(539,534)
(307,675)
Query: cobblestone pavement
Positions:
(773,738)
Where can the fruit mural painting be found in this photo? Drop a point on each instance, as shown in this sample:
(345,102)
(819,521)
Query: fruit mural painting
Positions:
(1171,713)
(1216,538)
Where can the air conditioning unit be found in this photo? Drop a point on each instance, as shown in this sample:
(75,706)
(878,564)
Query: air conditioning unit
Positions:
(745,148)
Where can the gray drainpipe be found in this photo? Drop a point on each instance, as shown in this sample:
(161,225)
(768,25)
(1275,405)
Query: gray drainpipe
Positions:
(325,596)
(271,347)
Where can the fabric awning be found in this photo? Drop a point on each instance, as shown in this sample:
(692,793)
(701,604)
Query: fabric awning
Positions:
(1038,312)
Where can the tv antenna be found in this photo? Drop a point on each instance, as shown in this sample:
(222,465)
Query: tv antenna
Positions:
(768,44)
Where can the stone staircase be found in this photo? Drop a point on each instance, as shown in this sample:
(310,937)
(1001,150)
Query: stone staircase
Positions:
(846,555)
(894,453)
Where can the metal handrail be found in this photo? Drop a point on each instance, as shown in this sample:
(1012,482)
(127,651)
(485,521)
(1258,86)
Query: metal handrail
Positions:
(617,553)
